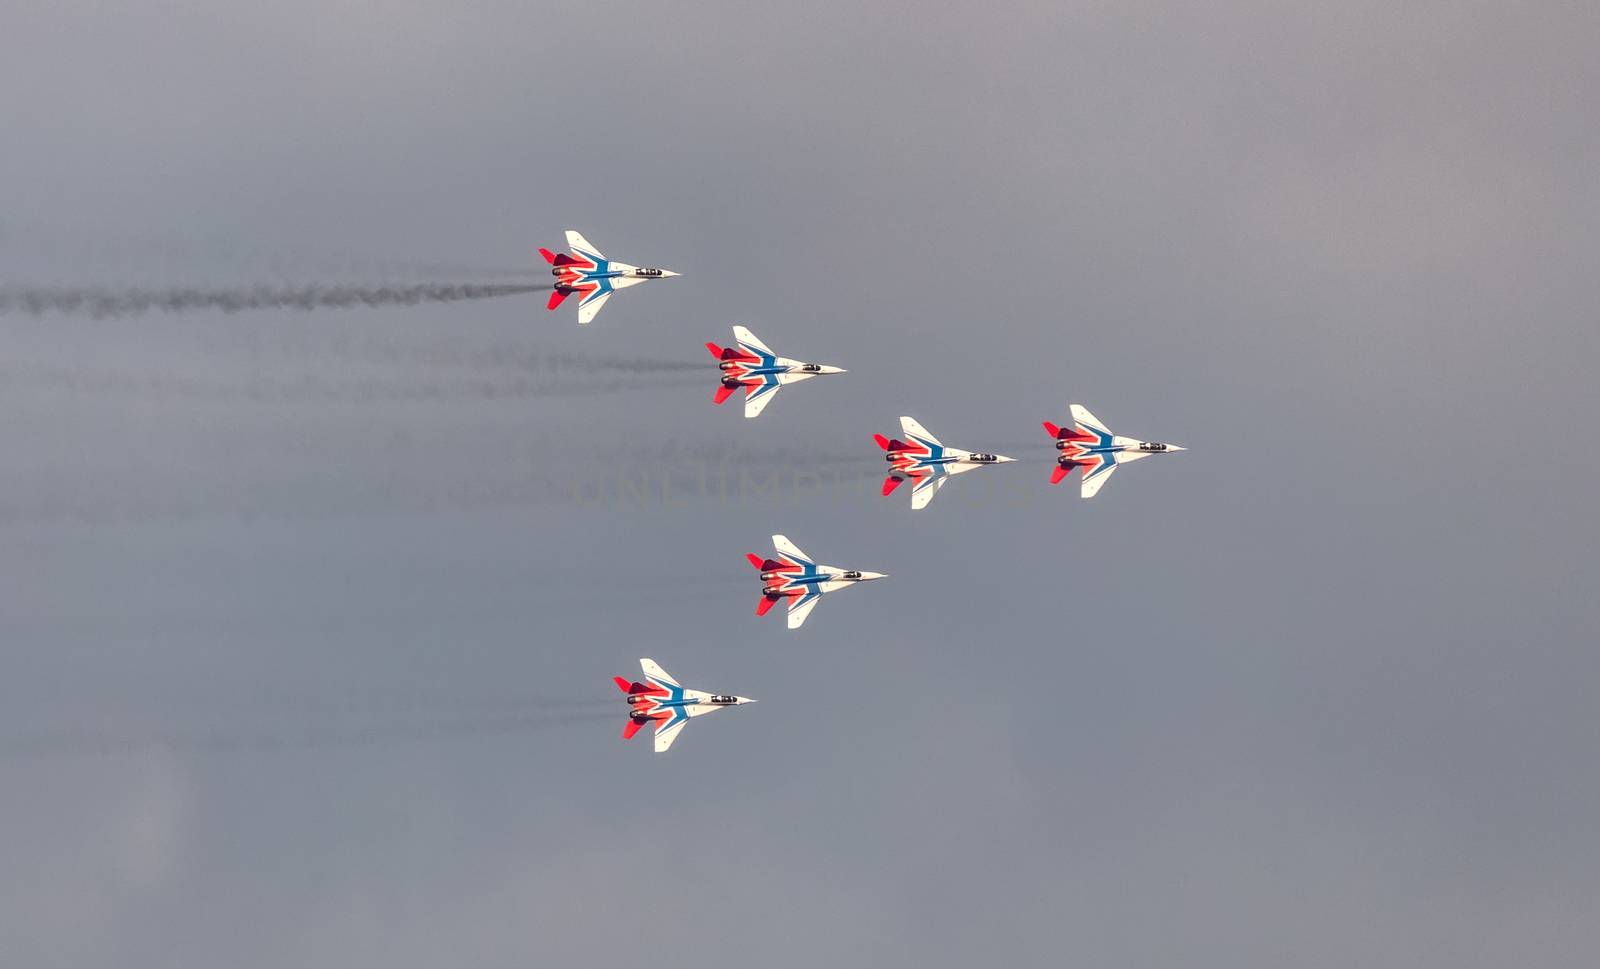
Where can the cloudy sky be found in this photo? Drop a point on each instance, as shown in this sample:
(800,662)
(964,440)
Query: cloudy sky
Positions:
(310,618)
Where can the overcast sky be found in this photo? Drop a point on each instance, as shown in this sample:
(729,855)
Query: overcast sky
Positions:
(310,618)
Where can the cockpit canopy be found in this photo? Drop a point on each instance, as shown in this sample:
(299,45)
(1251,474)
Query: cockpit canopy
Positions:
(723,699)
(811,368)
(1152,446)
(983,457)
(852,574)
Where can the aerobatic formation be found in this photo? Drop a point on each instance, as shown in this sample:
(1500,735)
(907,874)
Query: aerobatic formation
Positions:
(789,574)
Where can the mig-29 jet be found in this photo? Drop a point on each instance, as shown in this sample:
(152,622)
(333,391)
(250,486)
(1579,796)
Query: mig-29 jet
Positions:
(927,462)
(797,578)
(586,272)
(1096,450)
(751,365)
(661,699)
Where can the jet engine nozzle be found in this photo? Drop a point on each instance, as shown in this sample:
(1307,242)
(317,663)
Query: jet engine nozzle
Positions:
(771,576)
(773,594)
(727,365)
(1062,445)
(730,382)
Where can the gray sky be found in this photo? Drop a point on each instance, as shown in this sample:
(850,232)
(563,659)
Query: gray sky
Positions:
(310,618)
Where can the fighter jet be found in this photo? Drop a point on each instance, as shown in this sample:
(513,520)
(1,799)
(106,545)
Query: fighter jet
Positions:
(592,275)
(661,699)
(797,578)
(1096,450)
(758,370)
(927,462)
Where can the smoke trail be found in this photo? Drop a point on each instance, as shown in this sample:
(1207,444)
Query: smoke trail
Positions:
(90,742)
(106,303)
(259,346)
(310,387)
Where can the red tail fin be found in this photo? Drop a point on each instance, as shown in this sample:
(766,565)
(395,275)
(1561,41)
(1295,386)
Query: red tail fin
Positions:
(883,442)
(555,299)
(765,605)
(890,483)
(1052,429)
(1061,471)
(716,351)
(622,684)
(630,728)
(549,256)
(757,561)
(723,393)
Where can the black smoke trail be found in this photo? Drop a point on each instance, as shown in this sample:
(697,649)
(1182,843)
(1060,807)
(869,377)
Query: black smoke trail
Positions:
(383,350)
(229,740)
(112,303)
(311,387)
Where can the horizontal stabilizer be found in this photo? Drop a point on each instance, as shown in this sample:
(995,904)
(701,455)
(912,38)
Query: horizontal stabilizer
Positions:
(757,561)
(723,393)
(883,442)
(1052,429)
(764,606)
(622,684)
(549,256)
(716,351)
(555,299)
(890,483)
(630,728)
(1061,471)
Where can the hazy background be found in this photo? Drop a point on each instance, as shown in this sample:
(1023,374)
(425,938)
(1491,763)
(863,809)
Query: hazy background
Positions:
(309,618)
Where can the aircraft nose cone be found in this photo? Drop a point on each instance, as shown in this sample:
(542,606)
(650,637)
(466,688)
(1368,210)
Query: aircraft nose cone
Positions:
(868,576)
(834,370)
(667,272)
(1174,447)
(1002,459)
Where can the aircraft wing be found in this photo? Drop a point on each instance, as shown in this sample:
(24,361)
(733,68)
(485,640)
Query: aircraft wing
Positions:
(786,547)
(667,734)
(591,306)
(1092,483)
(923,490)
(582,246)
(1081,414)
(652,670)
(800,607)
(757,402)
(913,429)
(750,342)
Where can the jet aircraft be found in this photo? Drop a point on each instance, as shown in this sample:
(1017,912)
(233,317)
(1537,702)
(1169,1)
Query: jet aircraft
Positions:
(794,576)
(592,275)
(751,365)
(927,462)
(1096,450)
(662,700)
